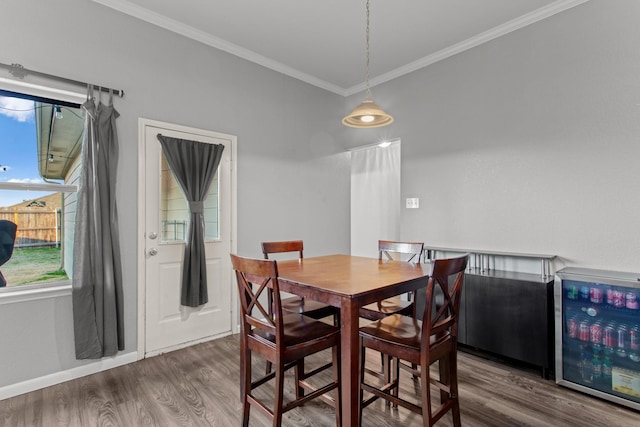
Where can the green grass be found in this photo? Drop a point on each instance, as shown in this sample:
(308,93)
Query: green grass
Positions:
(34,265)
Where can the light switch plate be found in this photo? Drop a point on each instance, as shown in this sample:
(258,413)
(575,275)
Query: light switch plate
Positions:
(413,203)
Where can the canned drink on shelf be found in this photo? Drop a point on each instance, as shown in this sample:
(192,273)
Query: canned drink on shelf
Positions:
(619,299)
(609,336)
(634,338)
(583,330)
(595,334)
(595,295)
(572,327)
(631,301)
(572,292)
(610,296)
(622,344)
(584,293)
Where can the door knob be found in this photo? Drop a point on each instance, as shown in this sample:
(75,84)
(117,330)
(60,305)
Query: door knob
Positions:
(153,252)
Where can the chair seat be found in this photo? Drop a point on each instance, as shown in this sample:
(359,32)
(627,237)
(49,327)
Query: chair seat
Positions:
(309,308)
(381,309)
(402,332)
(299,329)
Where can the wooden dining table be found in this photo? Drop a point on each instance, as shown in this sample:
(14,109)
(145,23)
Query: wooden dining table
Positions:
(350,282)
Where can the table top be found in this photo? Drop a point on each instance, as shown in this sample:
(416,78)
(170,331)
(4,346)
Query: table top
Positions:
(350,276)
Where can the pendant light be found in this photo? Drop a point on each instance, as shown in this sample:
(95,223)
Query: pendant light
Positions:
(368,114)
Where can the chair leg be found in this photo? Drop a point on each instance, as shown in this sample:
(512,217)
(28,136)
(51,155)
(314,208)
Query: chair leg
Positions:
(279,395)
(299,376)
(396,379)
(362,361)
(444,368)
(245,385)
(386,371)
(453,383)
(426,396)
(335,353)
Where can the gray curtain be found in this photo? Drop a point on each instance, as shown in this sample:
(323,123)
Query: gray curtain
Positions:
(97,276)
(194,165)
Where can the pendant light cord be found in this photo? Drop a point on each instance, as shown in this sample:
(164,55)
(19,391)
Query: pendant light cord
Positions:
(366,77)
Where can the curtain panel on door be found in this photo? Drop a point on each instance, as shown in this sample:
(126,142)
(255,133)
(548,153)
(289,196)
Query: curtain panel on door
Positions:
(193,165)
(98,308)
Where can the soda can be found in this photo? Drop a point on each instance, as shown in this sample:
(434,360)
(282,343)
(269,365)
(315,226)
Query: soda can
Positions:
(609,336)
(631,301)
(572,327)
(583,331)
(595,295)
(622,344)
(609,296)
(634,338)
(572,292)
(584,293)
(619,299)
(595,333)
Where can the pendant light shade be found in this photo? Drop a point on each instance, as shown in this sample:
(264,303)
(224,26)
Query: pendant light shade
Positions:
(368,114)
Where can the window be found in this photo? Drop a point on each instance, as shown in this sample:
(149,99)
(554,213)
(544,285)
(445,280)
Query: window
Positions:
(175,210)
(40,145)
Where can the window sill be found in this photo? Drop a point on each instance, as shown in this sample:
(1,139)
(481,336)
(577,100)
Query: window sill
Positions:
(34,292)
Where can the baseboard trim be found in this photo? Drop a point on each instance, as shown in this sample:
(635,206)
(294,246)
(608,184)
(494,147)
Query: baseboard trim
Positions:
(70,374)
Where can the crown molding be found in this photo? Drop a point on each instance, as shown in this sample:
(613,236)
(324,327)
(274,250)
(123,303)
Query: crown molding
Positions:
(188,31)
(484,37)
(167,23)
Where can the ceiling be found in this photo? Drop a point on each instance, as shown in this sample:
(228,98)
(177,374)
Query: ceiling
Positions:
(323,42)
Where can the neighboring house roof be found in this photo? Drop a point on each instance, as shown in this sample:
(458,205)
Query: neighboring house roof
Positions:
(49,202)
(58,139)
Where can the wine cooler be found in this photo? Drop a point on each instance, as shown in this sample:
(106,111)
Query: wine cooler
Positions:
(598,333)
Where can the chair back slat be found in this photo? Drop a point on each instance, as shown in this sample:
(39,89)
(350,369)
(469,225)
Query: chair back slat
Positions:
(412,249)
(256,277)
(442,322)
(282,247)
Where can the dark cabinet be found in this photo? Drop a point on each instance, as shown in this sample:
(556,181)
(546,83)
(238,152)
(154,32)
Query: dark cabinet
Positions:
(509,314)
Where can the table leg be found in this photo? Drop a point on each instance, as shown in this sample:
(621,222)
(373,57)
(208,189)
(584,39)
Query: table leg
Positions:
(350,362)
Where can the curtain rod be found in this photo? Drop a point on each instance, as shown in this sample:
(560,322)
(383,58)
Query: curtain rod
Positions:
(18,71)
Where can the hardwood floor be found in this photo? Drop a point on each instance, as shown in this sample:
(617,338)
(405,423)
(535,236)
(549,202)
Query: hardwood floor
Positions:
(198,386)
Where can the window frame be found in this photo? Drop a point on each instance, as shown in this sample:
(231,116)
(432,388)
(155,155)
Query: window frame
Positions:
(36,291)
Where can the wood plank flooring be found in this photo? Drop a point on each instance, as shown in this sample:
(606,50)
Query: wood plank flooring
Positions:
(198,386)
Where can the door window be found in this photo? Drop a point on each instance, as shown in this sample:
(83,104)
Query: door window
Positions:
(174,210)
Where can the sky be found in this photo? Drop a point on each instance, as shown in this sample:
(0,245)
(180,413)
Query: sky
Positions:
(18,157)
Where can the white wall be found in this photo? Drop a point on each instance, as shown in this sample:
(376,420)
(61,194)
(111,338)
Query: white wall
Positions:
(529,143)
(287,155)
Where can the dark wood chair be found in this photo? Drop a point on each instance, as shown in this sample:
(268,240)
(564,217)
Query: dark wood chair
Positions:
(422,342)
(307,307)
(406,251)
(284,339)
(8,232)
(394,305)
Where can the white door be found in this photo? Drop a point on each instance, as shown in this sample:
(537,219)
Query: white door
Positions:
(167,324)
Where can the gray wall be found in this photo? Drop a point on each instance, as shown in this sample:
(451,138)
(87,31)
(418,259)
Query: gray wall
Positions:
(287,155)
(529,143)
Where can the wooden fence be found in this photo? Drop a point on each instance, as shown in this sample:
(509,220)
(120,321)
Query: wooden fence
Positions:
(36,228)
